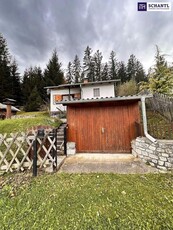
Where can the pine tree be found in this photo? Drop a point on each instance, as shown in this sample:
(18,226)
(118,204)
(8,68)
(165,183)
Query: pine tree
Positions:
(92,77)
(76,70)
(105,72)
(40,82)
(140,73)
(88,64)
(69,76)
(33,78)
(53,74)
(121,73)
(131,67)
(5,77)
(98,65)
(112,66)
(34,101)
(135,70)
(16,92)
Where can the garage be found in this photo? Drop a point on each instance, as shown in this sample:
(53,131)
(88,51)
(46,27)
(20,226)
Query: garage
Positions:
(104,125)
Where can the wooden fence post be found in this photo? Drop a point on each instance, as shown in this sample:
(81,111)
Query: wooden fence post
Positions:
(35,157)
(40,135)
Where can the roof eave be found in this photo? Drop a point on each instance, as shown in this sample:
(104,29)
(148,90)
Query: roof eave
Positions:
(110,99)
(83,84)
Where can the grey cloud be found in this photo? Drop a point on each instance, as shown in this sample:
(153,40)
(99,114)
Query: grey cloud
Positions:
(34,28)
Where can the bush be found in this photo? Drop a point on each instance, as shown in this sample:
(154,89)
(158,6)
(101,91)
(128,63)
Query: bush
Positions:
(127,88)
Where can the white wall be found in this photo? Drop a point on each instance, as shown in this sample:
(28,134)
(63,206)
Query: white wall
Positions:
(87,92)
(53,92)
(105,91)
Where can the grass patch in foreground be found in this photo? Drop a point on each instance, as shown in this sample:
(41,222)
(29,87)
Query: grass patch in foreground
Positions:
(24,123)
(90,201)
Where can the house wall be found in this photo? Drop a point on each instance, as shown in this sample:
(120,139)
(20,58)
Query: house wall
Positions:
(87,92)
(53,92)
(105,91)
(103,127)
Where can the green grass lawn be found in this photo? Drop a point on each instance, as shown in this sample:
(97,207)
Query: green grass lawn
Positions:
(87,201)
(26,122)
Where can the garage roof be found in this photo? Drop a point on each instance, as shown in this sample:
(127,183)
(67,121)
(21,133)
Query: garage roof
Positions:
(106,99)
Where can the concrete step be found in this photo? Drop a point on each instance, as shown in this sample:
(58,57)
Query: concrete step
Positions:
(60,133)
(60,137)
(59,142)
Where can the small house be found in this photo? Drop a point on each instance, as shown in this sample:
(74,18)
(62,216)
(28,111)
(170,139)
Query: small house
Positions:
(85,90)
(98,120)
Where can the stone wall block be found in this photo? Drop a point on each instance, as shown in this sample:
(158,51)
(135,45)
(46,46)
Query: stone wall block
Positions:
(149,151)
(152,147)
(154,161)
(134,153)
(144,153)
(161,150)
(162,168)
(163,158)
(153,156)
(161,163)
(152,164)
(169,165)
(168,150)
(140,139)
(170,160)
(164,155)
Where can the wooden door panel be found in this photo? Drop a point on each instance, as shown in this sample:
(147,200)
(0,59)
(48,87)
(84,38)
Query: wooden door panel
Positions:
(102,128)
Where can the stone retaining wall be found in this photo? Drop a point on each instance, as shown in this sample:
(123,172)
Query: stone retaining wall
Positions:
(159,155)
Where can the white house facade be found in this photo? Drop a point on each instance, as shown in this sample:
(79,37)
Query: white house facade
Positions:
(97,91)
(86,90)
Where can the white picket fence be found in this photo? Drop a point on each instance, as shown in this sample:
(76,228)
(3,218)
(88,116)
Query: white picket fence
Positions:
(16,150)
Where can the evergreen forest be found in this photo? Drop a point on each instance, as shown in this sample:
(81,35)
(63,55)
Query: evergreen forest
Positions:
(28,88)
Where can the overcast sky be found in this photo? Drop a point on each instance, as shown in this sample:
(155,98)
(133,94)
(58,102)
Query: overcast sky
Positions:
(33,28)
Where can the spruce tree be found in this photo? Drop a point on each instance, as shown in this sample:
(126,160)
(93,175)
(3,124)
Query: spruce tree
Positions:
(5,76)
(112,66)
(16,92)
(135,70)
(105,72)
(140,73)
(69,76)
(88,64)
(121,73)
(33,78)
(98,65)
(131,67)
(53,74)
(76,70)
(34,101)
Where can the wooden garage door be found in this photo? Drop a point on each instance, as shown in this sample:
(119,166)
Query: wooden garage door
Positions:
(102,127)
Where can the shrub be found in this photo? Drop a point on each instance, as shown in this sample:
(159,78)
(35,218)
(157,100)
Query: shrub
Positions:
(127,88)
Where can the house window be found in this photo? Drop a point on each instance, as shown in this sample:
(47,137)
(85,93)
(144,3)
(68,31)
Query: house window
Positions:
(96,92)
